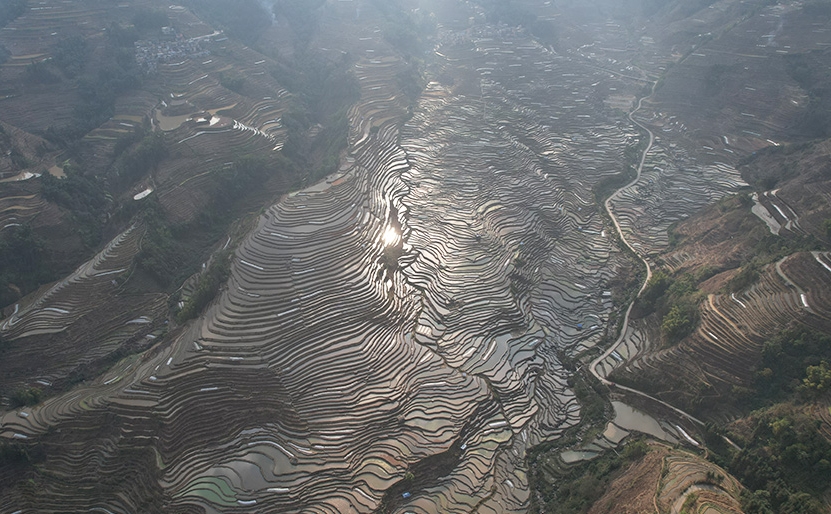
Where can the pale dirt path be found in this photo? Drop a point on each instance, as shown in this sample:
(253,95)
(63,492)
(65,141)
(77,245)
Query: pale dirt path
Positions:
(621,337)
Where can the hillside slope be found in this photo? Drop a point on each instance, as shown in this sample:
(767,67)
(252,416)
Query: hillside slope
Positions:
(361,256)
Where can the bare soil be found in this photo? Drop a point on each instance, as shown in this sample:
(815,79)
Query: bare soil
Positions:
(633,492)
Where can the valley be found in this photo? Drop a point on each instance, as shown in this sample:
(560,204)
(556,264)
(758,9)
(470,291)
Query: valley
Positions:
(426,256)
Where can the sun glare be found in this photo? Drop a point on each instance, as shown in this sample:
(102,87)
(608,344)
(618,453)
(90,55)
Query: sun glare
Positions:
(391,236)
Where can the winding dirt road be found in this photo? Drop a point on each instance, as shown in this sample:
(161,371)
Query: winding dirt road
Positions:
(608,206)
(625,325)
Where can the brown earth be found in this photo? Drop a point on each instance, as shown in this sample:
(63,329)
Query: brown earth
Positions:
(717,244)
(663,479)
(633,492)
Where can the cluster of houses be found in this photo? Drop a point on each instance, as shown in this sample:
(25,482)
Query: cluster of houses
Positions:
(173,49)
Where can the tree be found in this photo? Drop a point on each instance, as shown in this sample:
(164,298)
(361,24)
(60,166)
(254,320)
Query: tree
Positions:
(40,73)
(746,277)
(302,18)
(817,378)
(233,82)
(677,324)
(24,263)
(243,19)
(28,396)
(757,502)
(71,55)
(801,503)
(655,289)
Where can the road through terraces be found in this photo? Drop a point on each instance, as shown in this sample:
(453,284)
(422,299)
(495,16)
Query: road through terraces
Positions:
(625,325)
(414,306)
(608,206)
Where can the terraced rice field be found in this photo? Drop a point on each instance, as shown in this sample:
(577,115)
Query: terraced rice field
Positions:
(670,480)
(410,305)
(49,331)
(722,352)
(217,127)
(17,209)
(672,187)
(414,305)
(702,486)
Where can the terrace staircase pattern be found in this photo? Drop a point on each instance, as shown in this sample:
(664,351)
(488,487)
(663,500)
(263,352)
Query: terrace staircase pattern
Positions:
(67,300)
(220,126)
(722,352)
(28,39)
(671,187)
(18,209)
(412,305)
(49,329)
(684,474)
(361,364)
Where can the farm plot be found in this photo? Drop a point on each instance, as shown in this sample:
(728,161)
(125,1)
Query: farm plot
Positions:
(722,353)
(83,318)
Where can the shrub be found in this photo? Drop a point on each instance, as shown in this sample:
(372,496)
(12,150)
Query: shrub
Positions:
(746,277)
(233,82)
(40,73)
(28,396)
(689,504)
(635,450)
(678,323)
